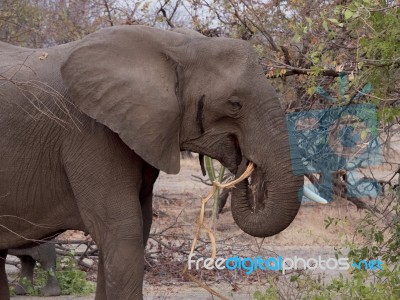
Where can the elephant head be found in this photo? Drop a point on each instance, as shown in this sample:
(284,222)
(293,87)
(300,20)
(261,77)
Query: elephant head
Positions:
(163,92)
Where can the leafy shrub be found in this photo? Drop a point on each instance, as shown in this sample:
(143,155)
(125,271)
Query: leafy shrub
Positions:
(71,279)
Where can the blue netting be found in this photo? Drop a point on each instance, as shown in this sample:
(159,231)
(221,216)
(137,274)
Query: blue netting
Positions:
(324,141)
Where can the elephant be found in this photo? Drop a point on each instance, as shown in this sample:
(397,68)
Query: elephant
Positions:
(45,254)
(87,126)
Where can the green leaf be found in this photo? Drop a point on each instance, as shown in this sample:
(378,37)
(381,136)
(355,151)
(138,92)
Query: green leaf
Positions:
(309,21)
(210,168)
(311,90)
(325,25)
(348,14)
(364,134)
(221,174)
(297,38)
(336,22)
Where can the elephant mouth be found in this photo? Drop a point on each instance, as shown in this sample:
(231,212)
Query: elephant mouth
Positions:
(227,151)
(239,157)
(267,202)
(236,158)
(256,184)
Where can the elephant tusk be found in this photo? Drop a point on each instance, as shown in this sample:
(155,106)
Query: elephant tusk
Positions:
(313,196)
(201,160)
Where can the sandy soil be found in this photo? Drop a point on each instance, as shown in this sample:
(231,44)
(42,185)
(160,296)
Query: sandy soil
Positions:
(177,203)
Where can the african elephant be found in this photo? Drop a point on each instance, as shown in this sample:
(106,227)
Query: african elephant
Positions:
(86,127)
(45,254)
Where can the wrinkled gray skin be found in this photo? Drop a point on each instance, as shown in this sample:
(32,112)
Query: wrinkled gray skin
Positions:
(45,254)
(132,98)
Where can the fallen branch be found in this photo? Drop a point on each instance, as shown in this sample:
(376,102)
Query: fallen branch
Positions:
(201,225)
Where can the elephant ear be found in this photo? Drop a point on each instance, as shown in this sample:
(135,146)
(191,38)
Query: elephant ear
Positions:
(123,78)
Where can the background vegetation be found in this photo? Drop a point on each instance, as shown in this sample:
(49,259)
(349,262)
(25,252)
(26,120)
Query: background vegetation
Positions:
(319,54)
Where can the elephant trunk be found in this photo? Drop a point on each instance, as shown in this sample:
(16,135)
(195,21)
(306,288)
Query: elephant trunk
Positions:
(268,202)
(265,207)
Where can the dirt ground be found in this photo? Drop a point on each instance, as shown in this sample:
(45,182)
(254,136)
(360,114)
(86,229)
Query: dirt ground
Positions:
(176,208)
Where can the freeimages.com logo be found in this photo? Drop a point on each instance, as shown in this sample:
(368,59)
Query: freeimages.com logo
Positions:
(249,265)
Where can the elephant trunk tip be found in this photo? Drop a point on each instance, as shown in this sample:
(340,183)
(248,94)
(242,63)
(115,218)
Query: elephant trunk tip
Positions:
(263,206)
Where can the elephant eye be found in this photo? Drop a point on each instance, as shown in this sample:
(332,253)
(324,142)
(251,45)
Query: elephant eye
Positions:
(236,104)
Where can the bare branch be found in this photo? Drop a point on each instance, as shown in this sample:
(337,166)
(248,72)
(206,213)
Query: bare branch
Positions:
(107,7)
(164,13)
